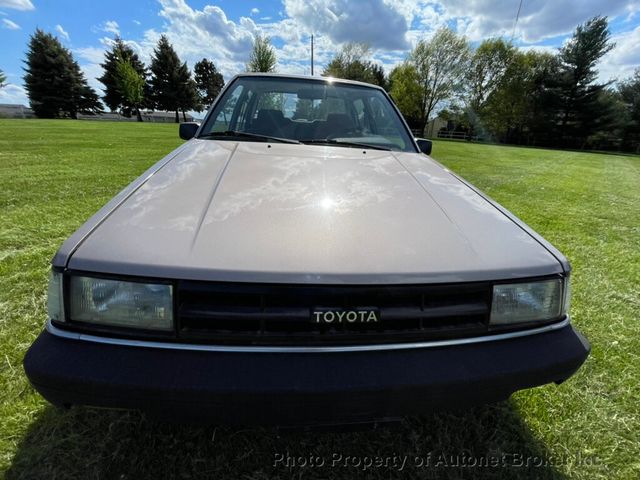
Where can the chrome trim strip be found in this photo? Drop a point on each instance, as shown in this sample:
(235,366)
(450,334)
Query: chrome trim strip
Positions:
(316,349)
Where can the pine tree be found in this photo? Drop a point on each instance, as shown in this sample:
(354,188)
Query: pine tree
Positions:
(629,91)
(3,78)
(379,78)
(575,88)
(187,91)
(172,88)
(113,97)
(209,82)
(55,84)
(263,56)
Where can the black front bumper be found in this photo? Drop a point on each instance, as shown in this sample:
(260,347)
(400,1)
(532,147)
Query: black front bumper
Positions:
(297,388)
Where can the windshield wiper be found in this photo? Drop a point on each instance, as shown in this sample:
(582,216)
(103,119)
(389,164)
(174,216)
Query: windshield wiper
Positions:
(234,133)
(333,141)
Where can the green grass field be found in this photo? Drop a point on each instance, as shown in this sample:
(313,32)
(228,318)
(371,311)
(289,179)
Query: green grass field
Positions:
(55,174)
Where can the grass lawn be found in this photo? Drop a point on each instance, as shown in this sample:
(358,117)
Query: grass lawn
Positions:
(55,174)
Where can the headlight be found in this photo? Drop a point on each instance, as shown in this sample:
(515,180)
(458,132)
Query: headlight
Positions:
(122,304)
(528,302)
(55,307)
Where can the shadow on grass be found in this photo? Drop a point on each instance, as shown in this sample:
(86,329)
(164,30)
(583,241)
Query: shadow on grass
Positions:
(85,443)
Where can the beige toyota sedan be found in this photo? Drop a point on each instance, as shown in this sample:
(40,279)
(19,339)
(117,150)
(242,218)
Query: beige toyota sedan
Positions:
(302,260)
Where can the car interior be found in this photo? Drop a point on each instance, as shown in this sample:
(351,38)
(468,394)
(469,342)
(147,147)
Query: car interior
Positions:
(310,114)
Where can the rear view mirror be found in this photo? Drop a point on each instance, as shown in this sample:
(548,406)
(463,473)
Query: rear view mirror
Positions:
(424,145)
(188,130)
(315,92)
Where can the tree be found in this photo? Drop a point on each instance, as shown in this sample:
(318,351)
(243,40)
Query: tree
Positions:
(54,82)
(263,56)
(208,81)
(130,85)
(629,91)
(541,101)
(485,73)
(113,97)
(608,122)
(352,63)
(3,79)
(187,91)
(172,88)
(576,89)
(501,109)
(379,78)
(405,91)
(441,64)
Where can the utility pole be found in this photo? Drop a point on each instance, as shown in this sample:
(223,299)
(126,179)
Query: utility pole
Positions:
(312,55)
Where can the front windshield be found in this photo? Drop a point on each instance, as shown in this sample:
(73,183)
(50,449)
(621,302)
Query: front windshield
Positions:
(307,111)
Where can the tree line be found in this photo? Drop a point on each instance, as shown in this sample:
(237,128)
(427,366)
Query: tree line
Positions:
(57,87)
(497,92)
(493,92)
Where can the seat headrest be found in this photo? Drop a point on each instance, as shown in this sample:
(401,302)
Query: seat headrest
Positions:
(270,115)
(339,120)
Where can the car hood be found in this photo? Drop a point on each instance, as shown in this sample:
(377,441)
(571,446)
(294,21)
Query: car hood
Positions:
(258,212)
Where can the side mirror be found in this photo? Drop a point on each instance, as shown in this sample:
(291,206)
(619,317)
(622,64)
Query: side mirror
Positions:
(424,145)
(188,130)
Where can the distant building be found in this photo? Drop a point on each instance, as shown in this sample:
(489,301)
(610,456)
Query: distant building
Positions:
(164,117)
(10,110)
(434,126)
(153,117)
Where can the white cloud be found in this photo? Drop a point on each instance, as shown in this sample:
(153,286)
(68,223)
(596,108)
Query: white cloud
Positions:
(111,26)
(14,94)
(539,19)
(91,54)
(17,4)
(620,62)
(9,25)
(255,11)
(62,32)
(204,33)
(137,22)
(391,27)
(380,24)
(91,72)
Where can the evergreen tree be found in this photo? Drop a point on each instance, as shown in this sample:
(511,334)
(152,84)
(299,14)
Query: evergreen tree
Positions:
(187,91)
(379,78)
(3,79)
(263,56)
(113,97)
(169,78)
(55,84)
(576,90)
(208,81)
(629,91)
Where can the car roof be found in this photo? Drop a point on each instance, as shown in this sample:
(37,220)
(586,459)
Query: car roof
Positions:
(306,77)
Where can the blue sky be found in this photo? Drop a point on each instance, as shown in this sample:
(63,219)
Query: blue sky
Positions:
(223,30)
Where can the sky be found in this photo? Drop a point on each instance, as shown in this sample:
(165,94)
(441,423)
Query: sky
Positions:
(223,30)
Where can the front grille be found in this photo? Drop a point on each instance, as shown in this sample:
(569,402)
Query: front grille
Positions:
(271,314)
